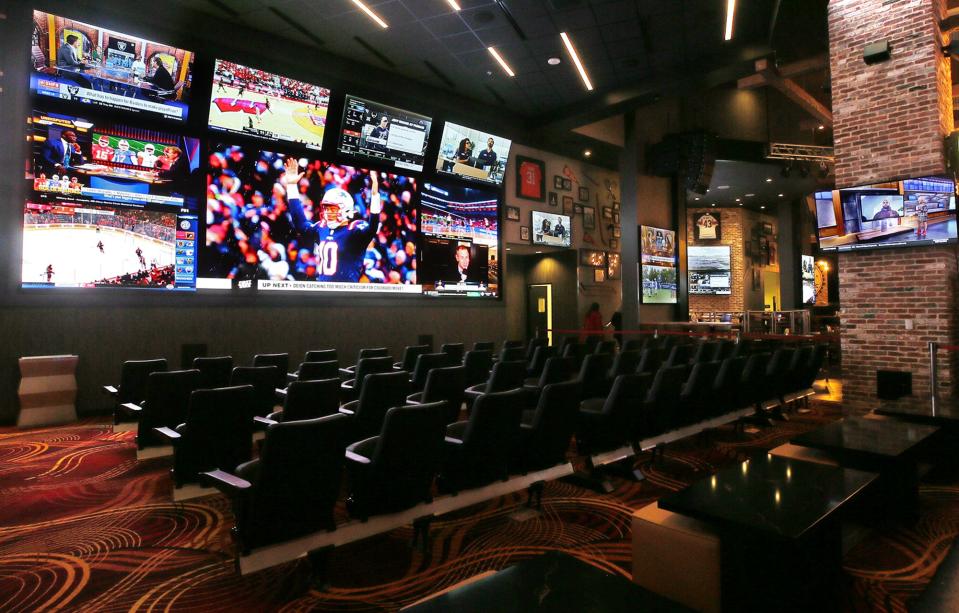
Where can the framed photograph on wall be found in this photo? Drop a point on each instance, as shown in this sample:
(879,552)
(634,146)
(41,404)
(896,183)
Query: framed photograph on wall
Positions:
(577,209)
(567,205)
(584,194)
(599,275)
(767,228)
(615,206)
(567,184)
(614,243)
(512,213)
(558,182)
(707,226)
(524,233)
(615,218)
(617,233)
(592,258)
(530,178)
(553,199)
(589,217)
(607,213)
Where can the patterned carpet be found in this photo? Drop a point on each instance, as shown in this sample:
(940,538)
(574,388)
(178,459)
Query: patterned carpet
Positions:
(84,526)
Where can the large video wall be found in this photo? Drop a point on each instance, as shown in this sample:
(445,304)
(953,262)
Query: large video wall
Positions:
(128,135)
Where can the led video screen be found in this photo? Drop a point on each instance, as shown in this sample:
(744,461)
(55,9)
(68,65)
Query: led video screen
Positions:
(551,229)
(472,154)
(912,212)
(658,255)
(709,270)
(383,133)
(808,270)
(108,245)
(78,62)
(460,241)
(258,103)
(79,160)
(278,222)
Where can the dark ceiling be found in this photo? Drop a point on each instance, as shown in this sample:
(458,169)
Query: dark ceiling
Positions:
(622,42)
(759,186)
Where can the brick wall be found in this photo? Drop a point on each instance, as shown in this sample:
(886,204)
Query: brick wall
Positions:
(731,233)
(890,118)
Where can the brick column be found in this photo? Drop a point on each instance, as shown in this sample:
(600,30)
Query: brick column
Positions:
(890,120)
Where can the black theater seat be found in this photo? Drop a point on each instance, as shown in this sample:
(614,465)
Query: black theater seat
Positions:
(592,375)
(313,371)
(443,385)
(366,366)
(321,355)
(625,363)
(309,399)
(512,354)
(410,353)
(214,371)
(545,435)
(455,352)
(424,364)
(280,360)
(133,383)
(217,434)
(380,392)
(478,450)
(556,370)
(504,376)
(478,363)
(650,360)
(167,398)
(607,347)
(606,423)
(634,344)
(263,381)
(535,366)
(697,398)
(662,409)
(369,352)
(531,348)
(726,392)
(291,489)
(484,346)
(394,470)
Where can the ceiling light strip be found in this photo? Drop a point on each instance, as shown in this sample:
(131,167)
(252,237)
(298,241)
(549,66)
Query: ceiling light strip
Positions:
(453,4)
(501,61)
(371,14)
(730,17)
(575,57)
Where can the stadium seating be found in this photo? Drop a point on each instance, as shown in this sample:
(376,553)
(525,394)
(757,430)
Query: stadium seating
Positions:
(556,370)
(133,383)
(455,352)
(263,381)
(484,346)
(410,353)
(214,371)
(424,364)
(625,363)
(536,364)
(321,355)
(634,344)
(394,470)
(478,363)
(217,434)
(506,375)
(443,385)
(167,398)
(292,488)
(379,392)
(369,352)
(531,348)
(607,347)
(546,432)
(592,375)
(612,421)
(280,360)
(312,371)
(366,366)
(309,399)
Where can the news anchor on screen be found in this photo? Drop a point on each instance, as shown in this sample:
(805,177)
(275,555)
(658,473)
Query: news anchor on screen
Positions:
(67,53)
(61,153)
(161,76)
(487,157)
(463,273)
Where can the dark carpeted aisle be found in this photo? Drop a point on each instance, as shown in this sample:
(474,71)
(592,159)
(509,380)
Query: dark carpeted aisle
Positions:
(84,526)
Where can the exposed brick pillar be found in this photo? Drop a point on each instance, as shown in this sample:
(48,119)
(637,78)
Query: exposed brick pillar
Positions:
(890,120)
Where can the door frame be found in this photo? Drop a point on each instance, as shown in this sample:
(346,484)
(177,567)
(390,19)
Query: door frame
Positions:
(549,309)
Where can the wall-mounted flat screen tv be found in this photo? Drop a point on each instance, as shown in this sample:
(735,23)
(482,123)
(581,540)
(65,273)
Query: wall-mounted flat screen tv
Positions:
(912,212)
(78,62)
(281,222)
(384,133)
(473,154)
(658,256)
(459,243)
(807,266)
(258,103)
(709,270)
(551,229)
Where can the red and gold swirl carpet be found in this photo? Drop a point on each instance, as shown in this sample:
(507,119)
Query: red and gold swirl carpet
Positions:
(85,527)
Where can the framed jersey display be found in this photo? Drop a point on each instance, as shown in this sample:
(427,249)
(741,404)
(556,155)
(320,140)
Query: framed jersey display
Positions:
(707,226)
(530,179)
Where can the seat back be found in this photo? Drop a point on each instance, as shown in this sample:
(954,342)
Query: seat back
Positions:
(557,370)
(625,363)
(815,364)
(512,354)
(489,438)
(424,364)
(506,375)
(455,352)
(214,372)
(280,360)
(633,344)
(678,356)
(478,363)
(623,408)
(447,385)
(752,382)
(663,398)
(321,355)
(798,367)
(552,427)
(312,398)
(510,344)
(592,375)
(575,350)
(218,433)
(313,371)
(380,392)
(649,360)
(696,397)
(369,366)
(263,381)
(608,347)
(484,346)
(726,385)
(704,352)
(372,352)
(300,472)
(531,348)
(407,455)
(723,350)
(777,372)
(133,379)
(408,363)
(542,353)
(166,403)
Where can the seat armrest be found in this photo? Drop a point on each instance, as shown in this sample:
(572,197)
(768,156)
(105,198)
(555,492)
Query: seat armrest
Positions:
(349,384)
(397,365)
(262,423)
(276,416)
(453,441)
(416,398)
(280,392)
(360,451)
(225,482)
(457,430)
(345,411)
(350,407)
(168,433)
(131,409)
(355,457)
(110,390)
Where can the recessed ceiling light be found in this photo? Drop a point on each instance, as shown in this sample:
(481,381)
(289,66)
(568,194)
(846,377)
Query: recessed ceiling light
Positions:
(554,61)
(722,187)
(587,153)
(696,198)
(740,204)
(371,14)
(508,249)
(730,16)
(739,199)
(822,127)
(714,204)
(781,195)
(750,195)
(539,252)
(763,206)
(453,4)
(501,61)
(769,179)
(575,57)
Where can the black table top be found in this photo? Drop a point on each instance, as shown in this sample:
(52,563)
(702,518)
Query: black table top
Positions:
(550,582)
(779,496)
(920,411)
(889,438)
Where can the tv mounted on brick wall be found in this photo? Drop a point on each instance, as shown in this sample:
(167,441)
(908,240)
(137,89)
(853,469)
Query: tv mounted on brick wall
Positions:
(709,270)
(906,213)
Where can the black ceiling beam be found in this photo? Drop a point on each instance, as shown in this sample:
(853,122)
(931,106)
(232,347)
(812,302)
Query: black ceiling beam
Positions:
(621,100)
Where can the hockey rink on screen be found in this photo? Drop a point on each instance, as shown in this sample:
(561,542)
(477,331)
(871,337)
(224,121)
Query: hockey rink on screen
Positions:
(76,259)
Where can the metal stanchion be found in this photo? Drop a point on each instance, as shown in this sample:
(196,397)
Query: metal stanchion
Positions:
(933,374)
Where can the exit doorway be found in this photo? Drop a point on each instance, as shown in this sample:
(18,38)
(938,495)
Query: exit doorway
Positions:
(539,311)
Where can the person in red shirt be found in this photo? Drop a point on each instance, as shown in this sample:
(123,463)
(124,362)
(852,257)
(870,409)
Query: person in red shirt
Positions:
(592,324)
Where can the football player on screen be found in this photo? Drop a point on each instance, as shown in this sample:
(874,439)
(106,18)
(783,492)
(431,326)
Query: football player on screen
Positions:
(338,241)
